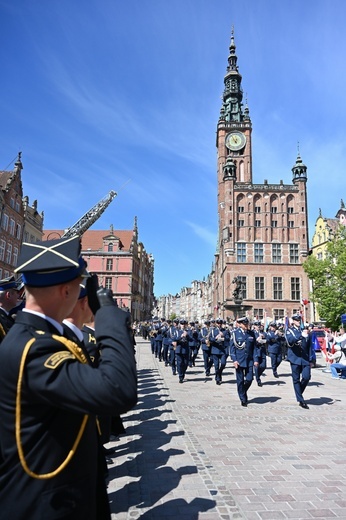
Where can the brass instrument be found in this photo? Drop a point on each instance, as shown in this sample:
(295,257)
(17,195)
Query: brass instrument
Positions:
(220,337)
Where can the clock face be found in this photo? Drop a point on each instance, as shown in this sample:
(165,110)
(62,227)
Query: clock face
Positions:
(235,141)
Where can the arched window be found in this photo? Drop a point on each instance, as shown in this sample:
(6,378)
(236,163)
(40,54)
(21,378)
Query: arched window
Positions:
(110,247)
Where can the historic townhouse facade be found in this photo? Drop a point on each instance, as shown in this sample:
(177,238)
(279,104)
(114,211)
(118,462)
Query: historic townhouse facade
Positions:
(33,222)
(11,218)
(122,265)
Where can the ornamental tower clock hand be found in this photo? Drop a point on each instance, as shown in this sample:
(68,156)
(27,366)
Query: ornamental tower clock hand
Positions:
(235,141)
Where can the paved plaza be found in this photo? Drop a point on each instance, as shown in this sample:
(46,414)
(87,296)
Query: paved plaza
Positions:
(191,451)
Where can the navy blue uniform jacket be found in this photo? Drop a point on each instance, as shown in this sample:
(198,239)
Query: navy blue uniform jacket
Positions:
(300,351)
(246,340)
(57,391)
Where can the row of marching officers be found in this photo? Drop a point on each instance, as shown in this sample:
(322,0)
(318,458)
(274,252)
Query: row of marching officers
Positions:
(177,343)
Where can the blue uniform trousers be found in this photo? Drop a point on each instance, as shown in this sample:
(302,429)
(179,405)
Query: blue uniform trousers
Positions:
(172,360)
(158,348)
(301,375)
(165,357)
(182,360)
(260,368)
(244,381)
(275,361)
(208,360)
(152,344)
(219,361)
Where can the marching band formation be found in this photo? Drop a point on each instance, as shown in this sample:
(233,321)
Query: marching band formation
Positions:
(177,342)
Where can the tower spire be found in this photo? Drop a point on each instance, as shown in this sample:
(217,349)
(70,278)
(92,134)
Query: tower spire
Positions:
(231,109)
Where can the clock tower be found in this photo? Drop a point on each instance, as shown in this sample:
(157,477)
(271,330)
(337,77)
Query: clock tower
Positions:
(262,228)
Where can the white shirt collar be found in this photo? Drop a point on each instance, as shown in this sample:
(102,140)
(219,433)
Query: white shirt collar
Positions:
(55,323)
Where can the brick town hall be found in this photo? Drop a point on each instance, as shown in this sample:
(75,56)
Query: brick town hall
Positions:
(263,228)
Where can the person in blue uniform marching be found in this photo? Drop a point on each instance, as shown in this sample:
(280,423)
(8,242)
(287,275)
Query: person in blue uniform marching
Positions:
(242,351)
(206,348)
(165,341)
(181,340)
(219,341)
(193,343)
(301,356)
(171,333)
(260,351)
(274,341)
(158,339)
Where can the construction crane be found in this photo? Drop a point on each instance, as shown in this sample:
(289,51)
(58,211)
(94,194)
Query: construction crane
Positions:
(90,216)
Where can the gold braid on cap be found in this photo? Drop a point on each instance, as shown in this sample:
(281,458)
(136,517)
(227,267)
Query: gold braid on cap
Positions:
(78,353)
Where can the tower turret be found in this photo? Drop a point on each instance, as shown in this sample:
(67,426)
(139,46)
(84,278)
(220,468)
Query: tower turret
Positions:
(299,170)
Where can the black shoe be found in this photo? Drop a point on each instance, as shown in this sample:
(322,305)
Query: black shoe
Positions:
(218,382)
(181,380)
(259,383)
(207,374)
(109,461)
(243,403)
(174,373)
(303,405)
(276,375)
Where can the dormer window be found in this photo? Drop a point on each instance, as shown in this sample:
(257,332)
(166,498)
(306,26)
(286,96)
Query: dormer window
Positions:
(110,247)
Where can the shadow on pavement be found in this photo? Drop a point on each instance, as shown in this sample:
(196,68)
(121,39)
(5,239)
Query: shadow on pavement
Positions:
(150,462)
(186,510)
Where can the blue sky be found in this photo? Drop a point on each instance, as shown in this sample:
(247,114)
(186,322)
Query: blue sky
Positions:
(126,94)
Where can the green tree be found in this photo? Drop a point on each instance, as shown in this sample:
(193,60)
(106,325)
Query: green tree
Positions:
(329,280)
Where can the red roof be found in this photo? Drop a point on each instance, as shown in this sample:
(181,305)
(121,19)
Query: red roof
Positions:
(93,239)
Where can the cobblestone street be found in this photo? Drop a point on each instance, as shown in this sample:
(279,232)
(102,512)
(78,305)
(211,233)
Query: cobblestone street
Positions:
(192,452)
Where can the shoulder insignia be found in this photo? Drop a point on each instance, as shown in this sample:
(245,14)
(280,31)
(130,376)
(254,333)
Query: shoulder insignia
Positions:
(57,358)
(40,331)
(75,350)
(92,338)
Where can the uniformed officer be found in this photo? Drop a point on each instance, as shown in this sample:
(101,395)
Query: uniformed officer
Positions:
(274,340)
(260,351)
(301,355)
(165,341)
(158,339)
(50,396)
(193,343)
(173,345)
(242,350)
(219,341)
(181,339)
(152,335)
(8,300)
(206,347)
